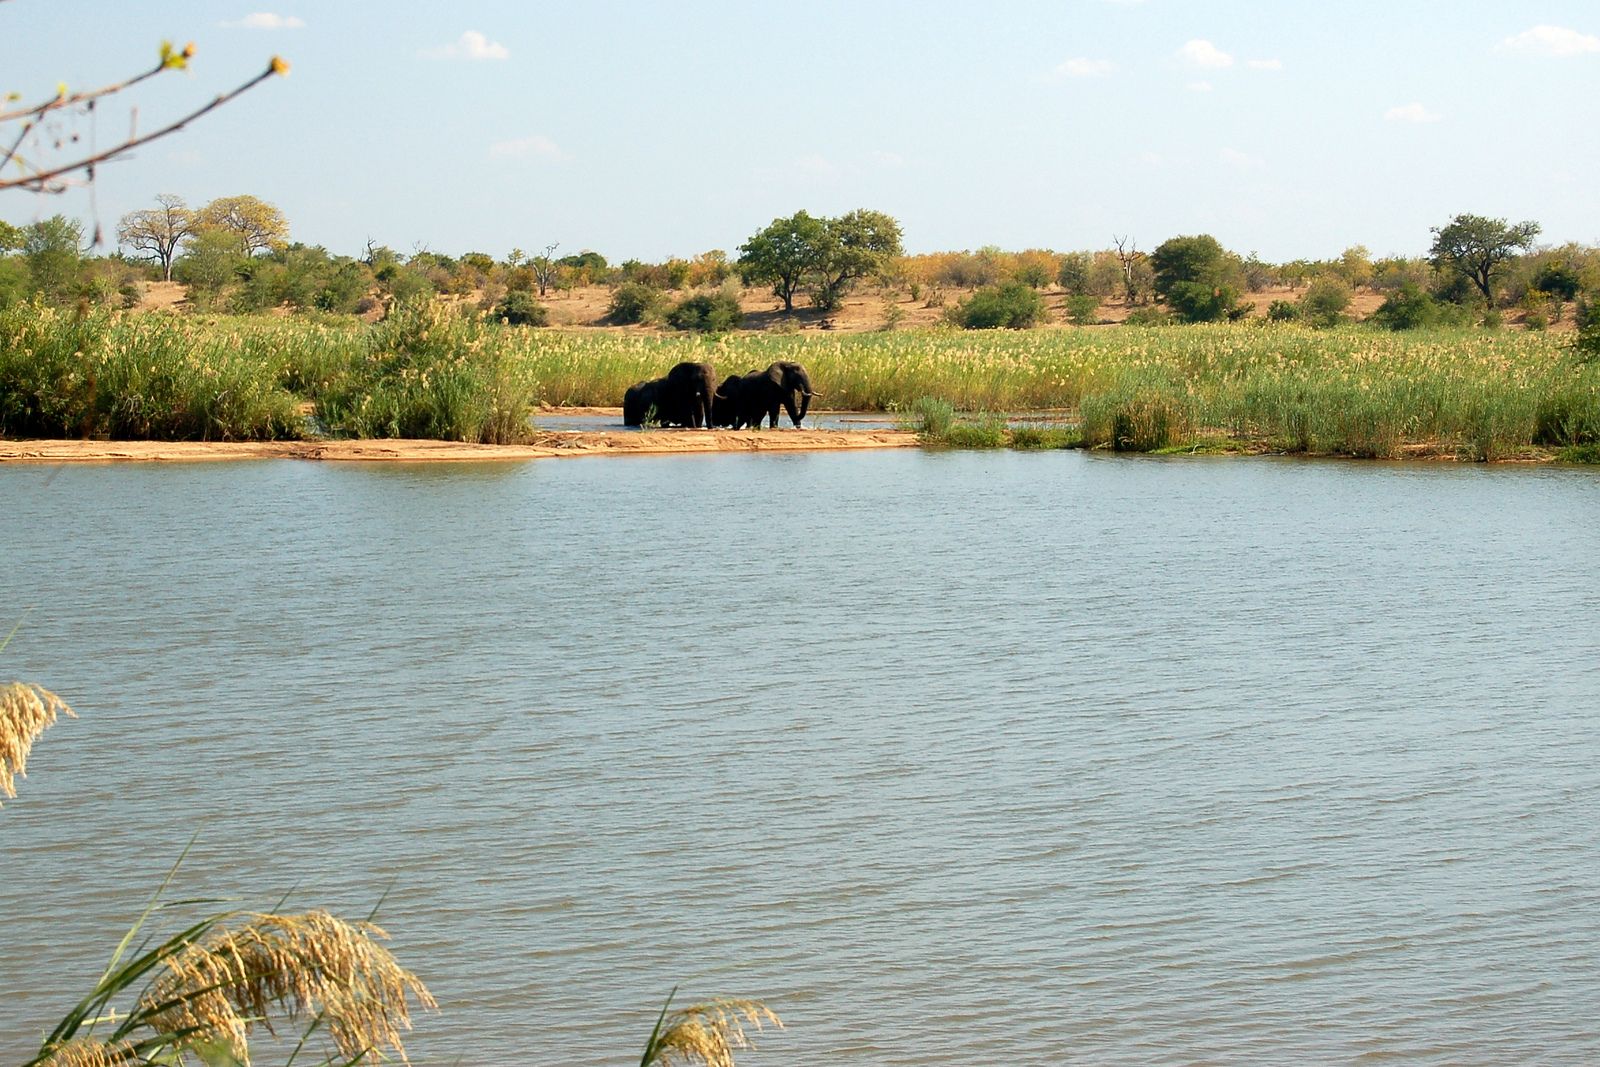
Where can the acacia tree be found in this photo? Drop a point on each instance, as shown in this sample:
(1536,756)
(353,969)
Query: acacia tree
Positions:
(155,233)
(1475,248)
(855,245)
(783,255)
(1191,275)
(824,255)
(254,224)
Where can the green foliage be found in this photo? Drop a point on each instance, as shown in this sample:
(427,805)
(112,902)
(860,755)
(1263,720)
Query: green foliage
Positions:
(1409,308)
(1283,311)
(635,302)
(1559,280)
(1475,248)
(932,417)
(1013,306)
(254,225)
(823,255)
(521,309)
(15,282)
(1191,275)
(784,254)
(52,249)
(1083,309)
(63,374)
(1325,302)
(211,260)
(1588,341)
(433,372)
(1134,416)
(1148,317)
(10,237)
(716,312)
(1074,273)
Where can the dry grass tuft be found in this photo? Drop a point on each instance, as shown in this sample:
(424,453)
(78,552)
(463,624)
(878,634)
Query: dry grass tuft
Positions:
(708,1033)
(314,965)
(88,1052)
(26,711)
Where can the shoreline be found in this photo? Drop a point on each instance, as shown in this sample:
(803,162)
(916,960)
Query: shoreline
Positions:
(544,445)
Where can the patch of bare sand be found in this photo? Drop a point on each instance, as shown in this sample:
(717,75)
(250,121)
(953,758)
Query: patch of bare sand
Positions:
(543,446)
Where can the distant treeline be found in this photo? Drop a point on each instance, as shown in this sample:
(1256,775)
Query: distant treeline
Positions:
(235,254)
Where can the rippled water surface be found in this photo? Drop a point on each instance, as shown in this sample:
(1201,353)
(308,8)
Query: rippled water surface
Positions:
(954,758)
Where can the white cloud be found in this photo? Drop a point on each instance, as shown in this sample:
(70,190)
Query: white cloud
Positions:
(1199,87)
(265,20)
(1552,41)
(1204,54)
(1084,67)
(1411,113)
(887,159)
(536,146)
(1264,64)
(816,165)
(471,45)
(1242,160)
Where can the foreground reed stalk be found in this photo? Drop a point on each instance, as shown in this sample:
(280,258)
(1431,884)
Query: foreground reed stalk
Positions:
(707,1033)
(26,711)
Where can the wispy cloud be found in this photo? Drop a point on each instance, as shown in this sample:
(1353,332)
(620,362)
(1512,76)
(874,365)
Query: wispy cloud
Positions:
(537,147)
(1204,54)
(1083,67)
(1552,41)
(1199,87)
(882,158)
(1411,113)
(1242,160)
(1264,64)
(471,45)
(265,20)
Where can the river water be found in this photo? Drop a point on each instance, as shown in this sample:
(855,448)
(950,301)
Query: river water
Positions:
(953,758)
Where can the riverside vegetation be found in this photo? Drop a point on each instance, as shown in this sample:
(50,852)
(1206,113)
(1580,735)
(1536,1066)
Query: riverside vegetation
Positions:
(431,371)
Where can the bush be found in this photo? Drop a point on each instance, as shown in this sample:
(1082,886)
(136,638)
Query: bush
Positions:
(635,302)
(1148,317)
(521,309)
(1283,311)
(1142,418)
(1083,309)
(1588,343)
(1013,306)
(706,313)
(1324,303)
(1408,308)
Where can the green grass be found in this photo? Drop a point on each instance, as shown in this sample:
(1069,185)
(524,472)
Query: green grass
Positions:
(429,372)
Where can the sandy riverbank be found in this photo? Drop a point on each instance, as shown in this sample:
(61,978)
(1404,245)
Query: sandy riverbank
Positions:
(545,445)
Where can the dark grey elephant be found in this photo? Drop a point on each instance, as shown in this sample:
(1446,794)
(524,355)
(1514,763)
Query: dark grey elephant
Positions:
(746,399)
(682,398)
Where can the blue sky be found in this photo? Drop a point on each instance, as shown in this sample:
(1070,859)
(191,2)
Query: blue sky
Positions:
(647,130)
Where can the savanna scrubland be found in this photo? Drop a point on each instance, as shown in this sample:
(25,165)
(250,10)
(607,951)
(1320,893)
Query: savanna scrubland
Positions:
(1484,349)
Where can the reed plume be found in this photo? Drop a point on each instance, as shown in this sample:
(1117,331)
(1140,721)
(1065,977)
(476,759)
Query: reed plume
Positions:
(707,1033)
(88,1052)
(310,966)
(26,711)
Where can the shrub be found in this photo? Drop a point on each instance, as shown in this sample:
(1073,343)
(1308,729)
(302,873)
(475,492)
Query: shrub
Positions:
(1588,343)
(1324,303)
(1013,306)
(1143,418)
(635,302)
(1148,317)
(1083,309)
(1283,311)
(1408,308)
(932,417)
(706,313)
(521,309)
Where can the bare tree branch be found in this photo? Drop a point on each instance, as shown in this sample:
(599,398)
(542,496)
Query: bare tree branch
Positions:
(40,180)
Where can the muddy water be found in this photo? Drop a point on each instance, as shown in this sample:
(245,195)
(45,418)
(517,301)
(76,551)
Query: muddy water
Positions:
(954,758)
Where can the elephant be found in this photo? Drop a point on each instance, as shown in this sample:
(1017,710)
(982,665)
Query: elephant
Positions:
(744,400)
(724,405)
(682,398)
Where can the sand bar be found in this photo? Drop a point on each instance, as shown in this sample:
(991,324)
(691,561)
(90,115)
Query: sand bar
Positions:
(545,445)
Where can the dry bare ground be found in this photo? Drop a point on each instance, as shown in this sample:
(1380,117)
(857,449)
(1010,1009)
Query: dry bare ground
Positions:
(545,445)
